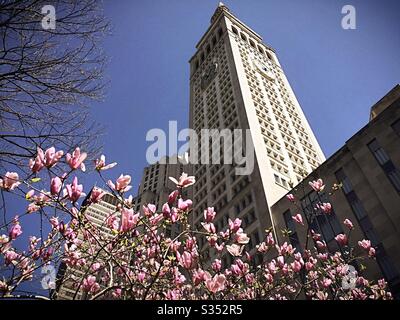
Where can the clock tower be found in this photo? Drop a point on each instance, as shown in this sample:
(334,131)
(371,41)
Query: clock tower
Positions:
(237,82)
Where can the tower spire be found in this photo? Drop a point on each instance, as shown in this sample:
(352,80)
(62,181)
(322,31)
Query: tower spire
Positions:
(221,7)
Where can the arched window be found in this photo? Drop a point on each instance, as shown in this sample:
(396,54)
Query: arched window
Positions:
(214,41)
(196,65)
(235,31)
(252,43)
(220,32)
(208,49)
(243,37)
(202,57)
(260,49)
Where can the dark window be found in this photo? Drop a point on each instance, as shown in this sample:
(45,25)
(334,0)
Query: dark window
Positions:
(396,126)
(326,224)
(220,32)
(388,269)
(234,30)
(290,225)
(386,164)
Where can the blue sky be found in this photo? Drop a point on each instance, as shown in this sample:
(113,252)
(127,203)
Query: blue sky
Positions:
(336,74)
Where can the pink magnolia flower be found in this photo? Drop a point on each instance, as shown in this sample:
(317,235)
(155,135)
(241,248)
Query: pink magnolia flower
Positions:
(290,197)
(155,219)
(117,293)
(172,197)
(234,225)
(235,249)
(15,231)
(269,240)
(365,244)
(112,222)
(296,266)
(318,185)
(96,194)
(74,190)
(100,164)
(128,220)
(184,205)
(174,215)
(55,186)
(325,207)
(219,247)
(320,295)
(90,285)
(185,259)
(9,181)
(184,180)
(298,218)
(209,227)
(215,284)
(38,163)
(269,277)
(326,282)
(280,260)
(121,184)
(341,239)
(348,224)
(242,238)
(209,214)
(216,265)
(11,257)
(51,157)
(149,209)
(371,252)
(95,266)
(198,276)
(75,160)
(321,245)
(262,247)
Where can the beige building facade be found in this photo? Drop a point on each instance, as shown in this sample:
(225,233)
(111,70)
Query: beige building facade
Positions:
(368,169)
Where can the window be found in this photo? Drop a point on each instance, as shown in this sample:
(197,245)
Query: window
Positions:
(260,49)
(378,152)
(293,237)
(243,37)
(382,258)
(277,180)
(252,43)
(386,164)
(235,30)
(327,225)
(396,126)
(220,32)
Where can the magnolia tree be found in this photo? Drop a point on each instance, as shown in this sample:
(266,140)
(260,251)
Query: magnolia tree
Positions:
(128,256)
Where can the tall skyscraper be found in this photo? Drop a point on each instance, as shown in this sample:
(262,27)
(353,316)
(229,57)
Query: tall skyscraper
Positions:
(237,82)
(156,186)
(97,213)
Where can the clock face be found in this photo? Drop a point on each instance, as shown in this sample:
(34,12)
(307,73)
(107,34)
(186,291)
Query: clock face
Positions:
(263,69)
(209,75)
